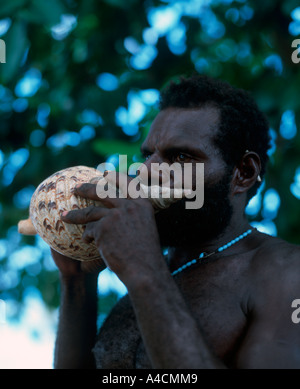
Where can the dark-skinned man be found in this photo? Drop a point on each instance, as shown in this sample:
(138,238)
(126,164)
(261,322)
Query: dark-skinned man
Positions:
(230,308)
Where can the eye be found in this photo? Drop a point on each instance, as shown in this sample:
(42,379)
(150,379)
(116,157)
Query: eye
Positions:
(146,156)
(182,157)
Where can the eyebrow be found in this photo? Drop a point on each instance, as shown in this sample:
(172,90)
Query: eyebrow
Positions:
(175,150)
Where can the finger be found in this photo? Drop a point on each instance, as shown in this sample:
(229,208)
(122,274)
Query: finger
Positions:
(119,180)
(85,215)
(96,192)
(114,198)
(89,233)
(87,190)
(93,192)
(88,236)
(113,179)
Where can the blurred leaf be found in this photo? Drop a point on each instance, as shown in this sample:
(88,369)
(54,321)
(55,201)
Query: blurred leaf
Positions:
(288,6)
(9,8)
(121,3)
(16,46)
(108,147)
(47,12)
(70,120)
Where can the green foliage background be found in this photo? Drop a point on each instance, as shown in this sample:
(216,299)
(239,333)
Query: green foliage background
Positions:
(69,68)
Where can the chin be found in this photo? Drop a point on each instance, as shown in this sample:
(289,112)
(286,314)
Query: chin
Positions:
(180,227)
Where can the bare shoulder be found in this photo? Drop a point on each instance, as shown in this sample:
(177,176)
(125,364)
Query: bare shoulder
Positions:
(275,269)
(273,338)
(277,254)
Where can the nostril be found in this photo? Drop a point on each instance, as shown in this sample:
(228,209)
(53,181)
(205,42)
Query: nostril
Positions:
(144,173)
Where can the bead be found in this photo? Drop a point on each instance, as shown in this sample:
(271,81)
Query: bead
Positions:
(220,249)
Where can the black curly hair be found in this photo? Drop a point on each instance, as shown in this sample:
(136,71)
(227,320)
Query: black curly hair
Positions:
(242,125)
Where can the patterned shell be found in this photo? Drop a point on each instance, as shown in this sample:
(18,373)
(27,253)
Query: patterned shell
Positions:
(54,196)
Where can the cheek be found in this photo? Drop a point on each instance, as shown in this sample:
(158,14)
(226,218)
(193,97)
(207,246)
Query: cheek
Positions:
(201,174)
(215,171)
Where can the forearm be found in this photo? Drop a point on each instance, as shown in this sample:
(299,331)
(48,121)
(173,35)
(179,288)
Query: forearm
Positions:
(77,322)
(170,334)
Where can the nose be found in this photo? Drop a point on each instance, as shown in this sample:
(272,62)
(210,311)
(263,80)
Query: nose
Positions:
(156,171)
(147,171)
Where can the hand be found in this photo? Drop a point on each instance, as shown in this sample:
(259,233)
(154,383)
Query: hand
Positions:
(71,267)
(125,233)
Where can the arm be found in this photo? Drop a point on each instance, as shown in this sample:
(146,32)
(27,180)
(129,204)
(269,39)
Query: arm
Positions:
(128,241)
(170,333)
(78,313)
(272,340)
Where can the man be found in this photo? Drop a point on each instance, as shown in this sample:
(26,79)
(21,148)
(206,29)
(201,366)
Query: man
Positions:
(230,308)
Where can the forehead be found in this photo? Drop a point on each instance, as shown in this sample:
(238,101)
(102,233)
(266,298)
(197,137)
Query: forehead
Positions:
(174,127)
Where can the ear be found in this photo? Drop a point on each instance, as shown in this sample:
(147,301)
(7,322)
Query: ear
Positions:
(246,174)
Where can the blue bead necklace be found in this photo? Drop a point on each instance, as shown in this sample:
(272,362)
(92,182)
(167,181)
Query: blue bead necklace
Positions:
(206,255)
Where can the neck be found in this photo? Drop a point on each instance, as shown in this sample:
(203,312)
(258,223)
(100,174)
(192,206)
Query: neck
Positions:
(177,256)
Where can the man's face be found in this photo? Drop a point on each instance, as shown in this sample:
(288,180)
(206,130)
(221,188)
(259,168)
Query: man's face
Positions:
(186,136)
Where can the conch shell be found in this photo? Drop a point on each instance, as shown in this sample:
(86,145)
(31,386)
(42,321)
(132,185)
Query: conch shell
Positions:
(56,195)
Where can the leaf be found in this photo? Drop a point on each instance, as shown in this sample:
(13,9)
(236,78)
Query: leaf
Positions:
(288,6)
(8,8)
(48,12)
(16,45)
(107,147)
(121,3)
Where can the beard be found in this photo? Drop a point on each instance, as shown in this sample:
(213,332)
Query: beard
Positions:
(180,227)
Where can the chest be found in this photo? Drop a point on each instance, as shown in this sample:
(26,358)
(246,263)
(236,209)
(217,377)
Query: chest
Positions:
(219,308)
(216,306)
